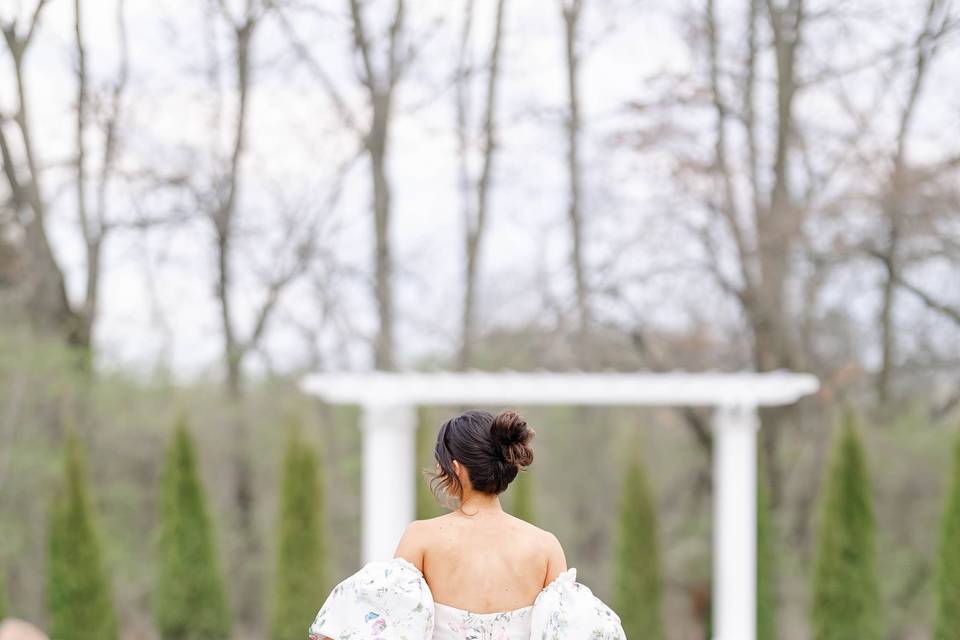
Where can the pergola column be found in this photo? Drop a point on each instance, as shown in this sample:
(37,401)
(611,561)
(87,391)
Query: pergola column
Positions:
(389,489)
(735,522)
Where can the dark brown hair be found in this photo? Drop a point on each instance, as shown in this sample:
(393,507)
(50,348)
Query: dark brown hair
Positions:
(491,449)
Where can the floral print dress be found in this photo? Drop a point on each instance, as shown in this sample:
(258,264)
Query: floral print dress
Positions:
(390,600)
(457,624)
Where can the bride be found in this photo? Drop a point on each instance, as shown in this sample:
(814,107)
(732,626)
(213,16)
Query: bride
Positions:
(476,573)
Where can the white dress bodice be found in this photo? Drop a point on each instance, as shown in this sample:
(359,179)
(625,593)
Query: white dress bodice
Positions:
(391,600)
(456,624)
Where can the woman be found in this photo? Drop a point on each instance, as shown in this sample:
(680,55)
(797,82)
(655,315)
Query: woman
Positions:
(476,573)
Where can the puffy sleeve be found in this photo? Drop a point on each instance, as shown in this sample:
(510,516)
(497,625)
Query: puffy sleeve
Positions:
(568,610)
(387,600)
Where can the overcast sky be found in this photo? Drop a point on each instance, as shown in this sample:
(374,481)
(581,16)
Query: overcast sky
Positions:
(158,306)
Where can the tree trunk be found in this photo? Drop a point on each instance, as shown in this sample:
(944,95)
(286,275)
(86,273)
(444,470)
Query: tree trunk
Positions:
(778,228)
(234,349)
(476,224)
(571,22)
(383,287)
(887,329)
(894,205)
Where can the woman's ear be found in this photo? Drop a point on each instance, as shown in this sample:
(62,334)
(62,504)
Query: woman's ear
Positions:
(461,473)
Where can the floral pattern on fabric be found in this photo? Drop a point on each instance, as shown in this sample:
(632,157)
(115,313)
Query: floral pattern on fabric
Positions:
(568,610)
(457,624)
(383,601)
(391,601)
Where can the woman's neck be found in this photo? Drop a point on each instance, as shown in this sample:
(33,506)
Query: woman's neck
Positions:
(475,502)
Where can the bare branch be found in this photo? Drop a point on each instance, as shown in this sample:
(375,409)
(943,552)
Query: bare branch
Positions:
(729,210)
(303,53)
(941,308)
(396,28)
(369,78)
(34,22)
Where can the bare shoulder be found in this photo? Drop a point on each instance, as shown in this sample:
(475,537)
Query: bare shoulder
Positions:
(541,537)
(413,542)
(421,535)
(436,526)
(556,559)
(550,542)
(544,545)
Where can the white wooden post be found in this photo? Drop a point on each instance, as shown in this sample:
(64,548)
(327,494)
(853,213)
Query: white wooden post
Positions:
(389,482)
(735,523)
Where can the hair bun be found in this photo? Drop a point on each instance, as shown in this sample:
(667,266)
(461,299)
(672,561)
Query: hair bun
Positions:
(511,433)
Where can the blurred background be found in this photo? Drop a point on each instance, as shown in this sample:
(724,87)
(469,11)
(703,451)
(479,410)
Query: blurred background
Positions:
(203,200)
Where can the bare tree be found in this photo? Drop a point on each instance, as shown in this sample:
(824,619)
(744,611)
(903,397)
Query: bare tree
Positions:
(220,204)
(767,229)
(900,183)
(379,71)
(99,111)
(754,215)
(220,201)
(571,11)
(45,295)
(475,193)
(292,243)
(223,212)
(760,188)
(380,86)
(93,214)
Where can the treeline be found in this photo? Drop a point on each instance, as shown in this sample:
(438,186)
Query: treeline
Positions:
(189,595)
(846,601)
(190,600)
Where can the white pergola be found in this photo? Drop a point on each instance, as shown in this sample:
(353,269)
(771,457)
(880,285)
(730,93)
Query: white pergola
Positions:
(389,403)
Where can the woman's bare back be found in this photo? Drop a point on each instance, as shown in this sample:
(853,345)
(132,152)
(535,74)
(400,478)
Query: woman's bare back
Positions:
(483,563)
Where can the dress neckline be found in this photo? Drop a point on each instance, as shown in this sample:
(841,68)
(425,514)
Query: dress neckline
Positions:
(489,614)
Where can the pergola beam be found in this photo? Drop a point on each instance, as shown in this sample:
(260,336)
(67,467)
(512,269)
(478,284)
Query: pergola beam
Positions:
(543,388)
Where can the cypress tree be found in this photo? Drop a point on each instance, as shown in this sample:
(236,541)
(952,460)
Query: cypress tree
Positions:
(300,582)
(523,497)
(81,604)
(637,590)
(766,566)
(190,603)
(846,602)
(948,569)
